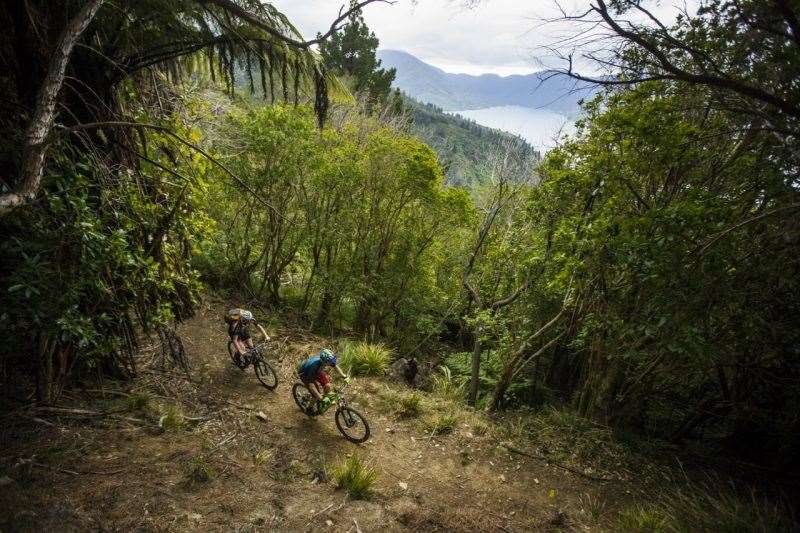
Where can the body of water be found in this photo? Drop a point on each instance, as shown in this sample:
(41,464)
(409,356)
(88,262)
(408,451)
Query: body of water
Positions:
(540,127)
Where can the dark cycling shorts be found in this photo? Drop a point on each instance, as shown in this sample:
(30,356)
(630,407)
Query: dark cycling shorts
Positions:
(322,378)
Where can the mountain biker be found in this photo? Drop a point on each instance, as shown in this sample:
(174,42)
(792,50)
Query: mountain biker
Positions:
(313,376)
(238,322)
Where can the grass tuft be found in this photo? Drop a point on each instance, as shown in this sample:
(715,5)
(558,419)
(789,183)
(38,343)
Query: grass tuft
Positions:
(364,358)
(172,419)
(263,457)
(355,477)
(710,506)
(480,428)
(410,406)
(138,402)
(200,471)
(642,519)
(445,385)
(441,424)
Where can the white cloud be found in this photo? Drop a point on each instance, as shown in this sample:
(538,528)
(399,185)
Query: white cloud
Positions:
(498,36)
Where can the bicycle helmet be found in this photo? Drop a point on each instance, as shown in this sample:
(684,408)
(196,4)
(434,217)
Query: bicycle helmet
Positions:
(327,356)
(247,317)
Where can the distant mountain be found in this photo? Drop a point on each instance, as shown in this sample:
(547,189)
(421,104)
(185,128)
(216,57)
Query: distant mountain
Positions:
(457,92)
(465,147)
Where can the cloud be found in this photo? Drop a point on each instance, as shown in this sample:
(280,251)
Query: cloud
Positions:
(498,36)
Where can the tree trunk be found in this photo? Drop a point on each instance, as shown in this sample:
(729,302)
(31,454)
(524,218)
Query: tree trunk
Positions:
(32,166)
(475,375)
(511,369)
(44,372)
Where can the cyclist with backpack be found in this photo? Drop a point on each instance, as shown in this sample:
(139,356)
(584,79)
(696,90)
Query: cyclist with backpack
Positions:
(312,374)
(238,322)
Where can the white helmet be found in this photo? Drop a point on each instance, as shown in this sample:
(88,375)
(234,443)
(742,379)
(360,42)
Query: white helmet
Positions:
(247,317)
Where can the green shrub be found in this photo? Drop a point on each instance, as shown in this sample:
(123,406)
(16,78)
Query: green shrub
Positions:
(410,405)
(441,424)
(711,506)
(355,477)
(364,359)
(447,386)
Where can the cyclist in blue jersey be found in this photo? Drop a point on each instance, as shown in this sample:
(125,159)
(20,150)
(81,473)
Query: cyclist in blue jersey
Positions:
(312,374)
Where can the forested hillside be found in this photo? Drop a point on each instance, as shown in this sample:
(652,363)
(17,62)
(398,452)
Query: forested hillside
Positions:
(466,149)
(604,339)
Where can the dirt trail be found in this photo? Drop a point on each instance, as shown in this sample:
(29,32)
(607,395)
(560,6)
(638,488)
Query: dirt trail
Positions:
(264,473)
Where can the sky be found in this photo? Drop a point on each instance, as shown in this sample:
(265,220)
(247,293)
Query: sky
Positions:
(497,36)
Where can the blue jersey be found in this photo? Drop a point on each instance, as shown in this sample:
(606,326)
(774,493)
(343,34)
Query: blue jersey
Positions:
(311,367)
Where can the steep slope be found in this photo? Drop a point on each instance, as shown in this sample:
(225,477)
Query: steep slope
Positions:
(454,92)
(247,459)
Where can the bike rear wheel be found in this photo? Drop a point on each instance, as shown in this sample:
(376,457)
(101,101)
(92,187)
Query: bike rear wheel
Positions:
(265,373)
(352,424)
(303,398)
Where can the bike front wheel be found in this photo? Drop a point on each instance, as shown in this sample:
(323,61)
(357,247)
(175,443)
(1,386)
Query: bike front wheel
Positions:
(265,373)
(352,424)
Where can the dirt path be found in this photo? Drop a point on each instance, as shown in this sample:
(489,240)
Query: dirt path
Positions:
(264,474)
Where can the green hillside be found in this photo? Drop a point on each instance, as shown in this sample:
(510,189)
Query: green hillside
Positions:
(463,145)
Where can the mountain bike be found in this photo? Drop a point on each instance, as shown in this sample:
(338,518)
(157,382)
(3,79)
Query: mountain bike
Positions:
(255,356)
(349,422)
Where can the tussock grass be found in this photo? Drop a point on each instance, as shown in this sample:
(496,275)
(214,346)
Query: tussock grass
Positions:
(410,405)
(442,423)
(364,358)
(355,477)
(710,506)
(447,386)
(172,419)
(594,506)
(480,428)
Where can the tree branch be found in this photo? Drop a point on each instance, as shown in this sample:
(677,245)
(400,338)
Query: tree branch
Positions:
(679,74)
(238,11)
(44,115)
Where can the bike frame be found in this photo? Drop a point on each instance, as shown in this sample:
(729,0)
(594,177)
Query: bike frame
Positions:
(339,399)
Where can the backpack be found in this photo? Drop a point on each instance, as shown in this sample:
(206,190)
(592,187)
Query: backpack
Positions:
(233,315)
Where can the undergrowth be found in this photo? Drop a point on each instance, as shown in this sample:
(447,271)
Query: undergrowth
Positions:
(566,437)
(364,358)
(447,386)
(172,419)
(709,506)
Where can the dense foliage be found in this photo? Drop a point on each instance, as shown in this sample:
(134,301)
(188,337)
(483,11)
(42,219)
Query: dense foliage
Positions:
(97,213)
(647,276)
(357,219)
